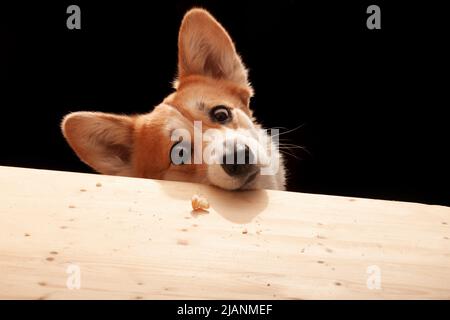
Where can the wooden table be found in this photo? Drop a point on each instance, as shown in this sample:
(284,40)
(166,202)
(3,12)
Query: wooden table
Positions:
(127,238)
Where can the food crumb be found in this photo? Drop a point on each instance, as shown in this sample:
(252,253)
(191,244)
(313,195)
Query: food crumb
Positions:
(182,242)
(245,231)
(98,184)
(72,206)
(83,190)
(268,284)
(199,203)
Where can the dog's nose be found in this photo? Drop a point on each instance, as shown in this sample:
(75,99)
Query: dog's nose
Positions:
(240,163)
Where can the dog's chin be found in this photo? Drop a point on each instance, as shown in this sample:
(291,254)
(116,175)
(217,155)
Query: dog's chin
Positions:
(219,178)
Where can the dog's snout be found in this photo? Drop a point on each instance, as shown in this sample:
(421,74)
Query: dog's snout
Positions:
(239,162)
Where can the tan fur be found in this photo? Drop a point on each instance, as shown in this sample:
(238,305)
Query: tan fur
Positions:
(210,73)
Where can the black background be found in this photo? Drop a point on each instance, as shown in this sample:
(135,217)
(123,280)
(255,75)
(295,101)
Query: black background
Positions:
(370,103)
(281,309)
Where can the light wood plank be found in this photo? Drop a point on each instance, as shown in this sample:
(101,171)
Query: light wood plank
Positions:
(138,239)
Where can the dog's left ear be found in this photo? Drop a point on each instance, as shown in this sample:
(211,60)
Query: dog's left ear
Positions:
(205,48)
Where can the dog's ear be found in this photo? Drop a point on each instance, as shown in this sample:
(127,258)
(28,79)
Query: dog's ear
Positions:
(103,141)
(205,48)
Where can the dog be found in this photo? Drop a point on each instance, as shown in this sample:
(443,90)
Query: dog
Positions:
(211,94)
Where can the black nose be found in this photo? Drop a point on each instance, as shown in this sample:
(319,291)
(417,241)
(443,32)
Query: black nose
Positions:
(240,162)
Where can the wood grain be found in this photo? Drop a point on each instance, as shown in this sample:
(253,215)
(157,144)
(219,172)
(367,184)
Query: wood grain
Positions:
(138,239)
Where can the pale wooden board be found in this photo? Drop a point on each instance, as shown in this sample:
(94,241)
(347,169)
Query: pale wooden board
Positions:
(137,238)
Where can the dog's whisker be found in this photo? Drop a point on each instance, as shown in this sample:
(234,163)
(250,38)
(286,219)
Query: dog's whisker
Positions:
(290,154)
(289,146)
(289,131)
(277,128)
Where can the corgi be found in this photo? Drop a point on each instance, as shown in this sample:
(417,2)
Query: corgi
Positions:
(211,93)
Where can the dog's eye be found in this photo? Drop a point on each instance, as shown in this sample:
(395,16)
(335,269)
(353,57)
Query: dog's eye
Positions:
(220,114)
(180,153)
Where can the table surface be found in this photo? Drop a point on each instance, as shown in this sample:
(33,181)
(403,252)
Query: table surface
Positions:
(70,235)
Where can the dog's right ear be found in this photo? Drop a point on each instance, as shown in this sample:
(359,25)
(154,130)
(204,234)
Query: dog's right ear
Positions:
(103,141)
(205,48)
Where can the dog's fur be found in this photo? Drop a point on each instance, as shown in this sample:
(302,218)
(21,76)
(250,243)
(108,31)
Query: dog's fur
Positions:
(210,73)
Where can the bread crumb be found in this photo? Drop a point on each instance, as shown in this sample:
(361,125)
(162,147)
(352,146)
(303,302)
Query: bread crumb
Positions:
(98,184)
(199,203)
(245,231)
(182,242)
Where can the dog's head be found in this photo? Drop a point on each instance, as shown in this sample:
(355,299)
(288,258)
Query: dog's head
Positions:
(203,132)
